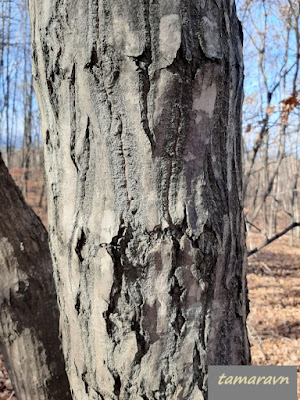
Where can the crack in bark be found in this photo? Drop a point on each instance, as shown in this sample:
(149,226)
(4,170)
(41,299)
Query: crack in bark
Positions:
(94,61)
(73,123)
(86,385)
(162,387)
(77,304)
(198,377)
(81,241)
(187,68)
(53,69)
(99,394)
(116,250)
(142,343)
(117,385)
(119,132)
(48,141)
(176,293)
(82,163)
(143,63)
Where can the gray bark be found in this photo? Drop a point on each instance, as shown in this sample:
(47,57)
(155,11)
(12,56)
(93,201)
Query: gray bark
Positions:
(29,318)
(141,116)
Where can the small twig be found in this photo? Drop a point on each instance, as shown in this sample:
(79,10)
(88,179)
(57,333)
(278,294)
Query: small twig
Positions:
(268,269)
(254,226)
(11,395)
(268,241)
(283,192)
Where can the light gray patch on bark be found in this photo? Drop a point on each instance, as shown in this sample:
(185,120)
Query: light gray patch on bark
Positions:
(169,38)
(209,38)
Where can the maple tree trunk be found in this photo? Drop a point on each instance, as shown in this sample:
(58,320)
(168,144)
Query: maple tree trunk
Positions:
(141,116)
(29,318)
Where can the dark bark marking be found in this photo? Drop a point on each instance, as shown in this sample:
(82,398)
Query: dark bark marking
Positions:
(55,198)
(57,69)
(94,61)
(142,343)
(143,62)
(150,324)
(47,137)
(197,375)
(162,387)
(77,304)
(86,385)
(176,292)
(115,252)
(52,86)
(87,147)
(81,241)
(99,394)
(72,91)
(117,385)
(188,68)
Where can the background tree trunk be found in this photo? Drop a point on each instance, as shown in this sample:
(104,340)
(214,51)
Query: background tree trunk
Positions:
(29,319)
(141,117)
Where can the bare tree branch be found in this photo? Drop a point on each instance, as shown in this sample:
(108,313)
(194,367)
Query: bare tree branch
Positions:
(272,239)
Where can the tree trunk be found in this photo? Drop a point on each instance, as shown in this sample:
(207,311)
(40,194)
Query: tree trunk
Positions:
(141,116)
(29,319)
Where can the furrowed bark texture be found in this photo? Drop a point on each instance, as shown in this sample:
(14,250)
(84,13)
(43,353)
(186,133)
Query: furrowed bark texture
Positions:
(29,318)
(141,107)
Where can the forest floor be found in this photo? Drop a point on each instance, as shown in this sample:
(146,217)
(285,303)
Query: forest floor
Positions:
(274,293)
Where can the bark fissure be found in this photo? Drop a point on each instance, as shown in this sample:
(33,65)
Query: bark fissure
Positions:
(72,90)
(117,385)
(198,376)
(81,241)
(122,153)
(118,242)
(86,385)
(143,63)
(143,344)
(176,293)
(82,161)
